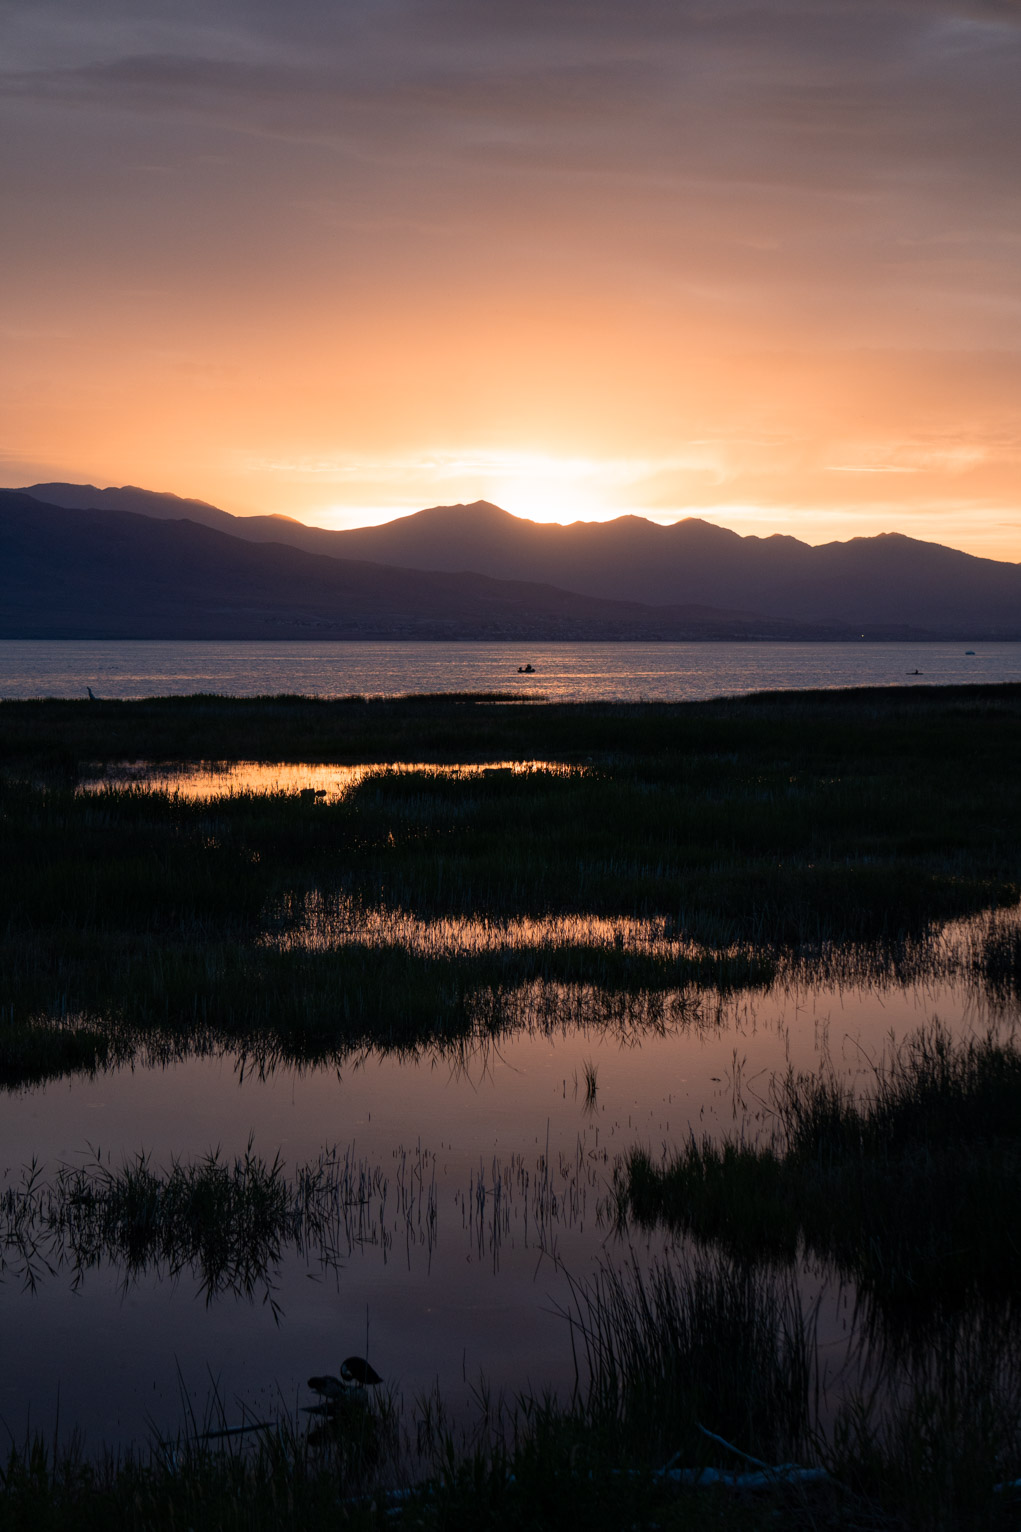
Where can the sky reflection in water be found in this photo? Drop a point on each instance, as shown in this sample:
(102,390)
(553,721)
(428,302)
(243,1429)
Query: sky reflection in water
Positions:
(202,780)
(476,1291)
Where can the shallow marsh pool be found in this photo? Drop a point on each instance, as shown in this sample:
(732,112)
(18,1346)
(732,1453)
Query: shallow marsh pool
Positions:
(489,1171)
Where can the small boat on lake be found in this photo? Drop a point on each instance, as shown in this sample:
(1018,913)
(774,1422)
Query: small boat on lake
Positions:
(526,670)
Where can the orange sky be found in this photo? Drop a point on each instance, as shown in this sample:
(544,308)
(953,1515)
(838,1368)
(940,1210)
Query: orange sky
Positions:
(758,260)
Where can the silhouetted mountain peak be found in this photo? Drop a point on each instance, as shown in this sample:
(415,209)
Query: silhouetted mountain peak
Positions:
(477,512)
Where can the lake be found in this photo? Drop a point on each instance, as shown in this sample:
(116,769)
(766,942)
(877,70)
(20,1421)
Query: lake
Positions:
(562,672)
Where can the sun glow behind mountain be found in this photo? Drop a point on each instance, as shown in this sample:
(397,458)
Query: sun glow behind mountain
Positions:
(541,487)
(536,485)
(756,263)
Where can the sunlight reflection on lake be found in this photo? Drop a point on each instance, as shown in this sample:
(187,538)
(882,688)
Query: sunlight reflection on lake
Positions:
(563,672)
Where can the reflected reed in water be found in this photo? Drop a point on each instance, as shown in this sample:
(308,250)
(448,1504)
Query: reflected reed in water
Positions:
(333,981)
(229,1224)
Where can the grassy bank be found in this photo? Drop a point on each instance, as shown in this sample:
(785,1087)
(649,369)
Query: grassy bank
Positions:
(280,1489)
(914,1192)
(834,726)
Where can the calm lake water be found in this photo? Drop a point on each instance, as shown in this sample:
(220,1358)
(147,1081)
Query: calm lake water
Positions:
(562,672)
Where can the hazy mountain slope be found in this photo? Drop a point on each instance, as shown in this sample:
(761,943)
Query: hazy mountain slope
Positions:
(87,573)
(165,507)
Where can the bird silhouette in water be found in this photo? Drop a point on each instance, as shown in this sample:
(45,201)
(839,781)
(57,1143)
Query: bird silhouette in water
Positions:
(92,695)
(355,1372)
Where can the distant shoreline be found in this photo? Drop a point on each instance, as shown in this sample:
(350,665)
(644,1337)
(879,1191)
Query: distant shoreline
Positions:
(509,640)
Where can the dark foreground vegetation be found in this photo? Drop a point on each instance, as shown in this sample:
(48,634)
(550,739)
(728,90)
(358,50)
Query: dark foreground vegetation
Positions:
(922,1433)
(913,1195)
(690,848)
(910,1193)
(746,831)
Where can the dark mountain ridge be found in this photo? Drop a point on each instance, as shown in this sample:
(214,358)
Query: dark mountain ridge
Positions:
(67,573)
(889,578)
(873,585)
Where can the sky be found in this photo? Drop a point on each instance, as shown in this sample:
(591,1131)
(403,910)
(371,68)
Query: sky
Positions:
(752,260)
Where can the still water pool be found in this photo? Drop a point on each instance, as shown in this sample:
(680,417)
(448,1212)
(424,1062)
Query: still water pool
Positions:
(476,1186)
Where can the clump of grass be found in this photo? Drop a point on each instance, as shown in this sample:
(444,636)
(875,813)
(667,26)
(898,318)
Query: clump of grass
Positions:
(591,1073)
(996,958)
(227,1222)
(932,1429)
(731,1194)
(915,1191)
(39,1049)
(709,1342)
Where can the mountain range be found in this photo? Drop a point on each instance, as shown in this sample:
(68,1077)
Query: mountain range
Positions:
(78,561)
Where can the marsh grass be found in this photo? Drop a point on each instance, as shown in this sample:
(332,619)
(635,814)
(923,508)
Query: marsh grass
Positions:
(282,1483)
(932,1430)
(784,819)
(328,978)
(663,1351)
(913,1191)
(228,1223)
(34,1051)
(285,1473)
(591,1074)
(665,847)
(996,958)
(839,726)
(772,836)
(710,1341)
